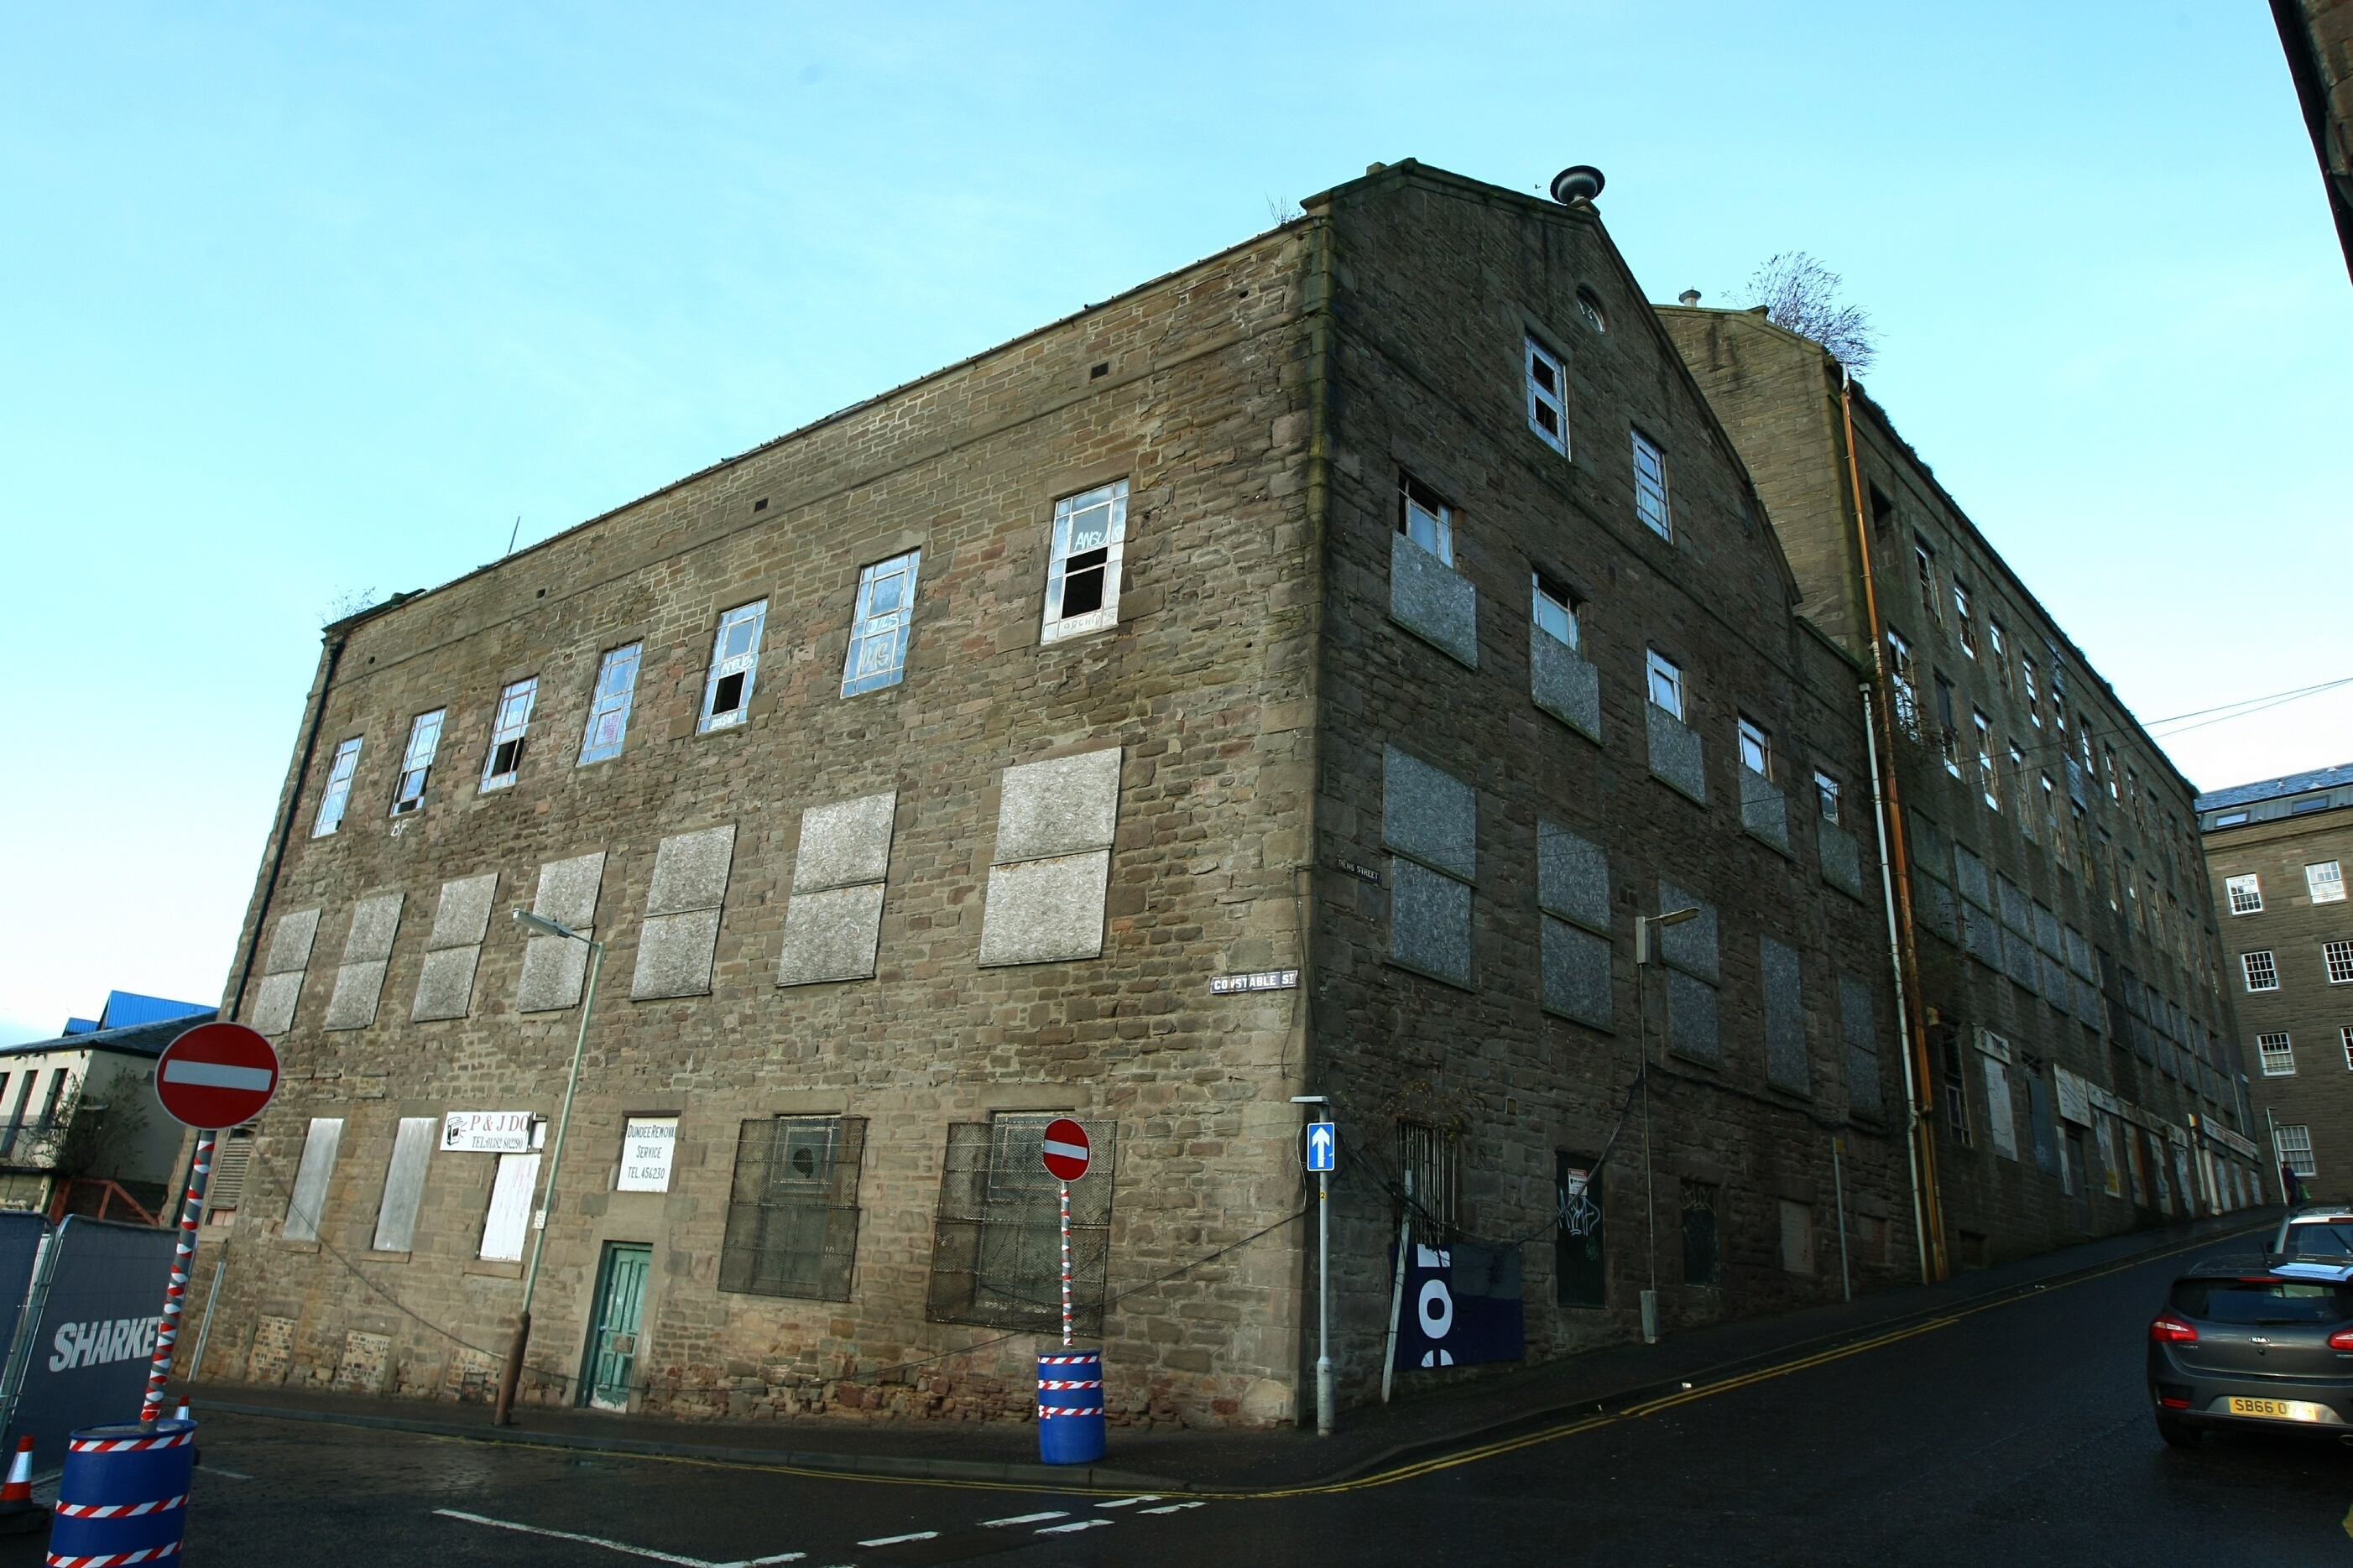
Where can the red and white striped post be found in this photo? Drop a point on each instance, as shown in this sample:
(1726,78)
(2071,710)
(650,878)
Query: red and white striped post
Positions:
(1066,1265)
(175,1294)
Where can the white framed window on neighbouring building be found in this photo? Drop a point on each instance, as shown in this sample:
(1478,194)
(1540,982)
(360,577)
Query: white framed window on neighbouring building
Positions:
(879,625)
(608,704)
(2245,894)
(2296,1149)
(2263,972)
(1555,610)
(2278,1055)
(1651,505)
(1666,682)
(2325,882)
(507,727)
(338,793)
(1082,575)
(1547,398)
(2337,958)
(1425,519)
(417,762)
(2345,1040)
(734,661)
(1756,748)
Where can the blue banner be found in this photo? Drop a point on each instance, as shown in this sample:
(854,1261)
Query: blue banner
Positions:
(1461,1306)
(86,1363)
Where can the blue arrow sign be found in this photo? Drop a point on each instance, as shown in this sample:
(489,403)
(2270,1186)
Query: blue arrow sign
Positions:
(1323,1146)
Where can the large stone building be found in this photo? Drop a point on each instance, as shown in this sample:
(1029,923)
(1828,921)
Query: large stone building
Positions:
(2317,36)
(2064,1001)
(2277,853)
(1374,612)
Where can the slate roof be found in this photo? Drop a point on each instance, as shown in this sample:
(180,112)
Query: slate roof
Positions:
(2276,789)
(139,1039)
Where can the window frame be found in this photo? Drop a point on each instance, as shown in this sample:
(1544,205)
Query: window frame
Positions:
(615,705)
(1053,625)
(1542,592)
(1657,667)
(1828,795)
(1924,569)
(2328,889)
(2031,691)
(725,666)
(1413,496)
(1535,356)
(1753,736)
(2293,1141)
(868,628)
(407,800)
(2269,966)
(1964,620)
(335,798)
(1661,488)
(509,728)
(2253,889)
(2276,1053)
(1989,782)
(2337,960)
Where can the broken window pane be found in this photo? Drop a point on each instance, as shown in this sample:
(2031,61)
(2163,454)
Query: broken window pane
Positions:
(416,764)
(734,657)
(608,709)
(507,732)
(1083,577)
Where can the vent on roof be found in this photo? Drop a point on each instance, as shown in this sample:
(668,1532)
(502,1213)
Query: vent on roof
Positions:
(1577,183)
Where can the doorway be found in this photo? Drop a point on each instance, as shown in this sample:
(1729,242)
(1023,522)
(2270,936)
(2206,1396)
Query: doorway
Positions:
(612,1357)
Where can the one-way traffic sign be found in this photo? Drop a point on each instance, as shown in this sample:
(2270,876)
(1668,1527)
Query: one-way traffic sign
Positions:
(1323,1146)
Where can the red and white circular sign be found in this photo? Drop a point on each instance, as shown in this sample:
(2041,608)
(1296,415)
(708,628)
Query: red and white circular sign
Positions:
(1066,1150)
(217,1075)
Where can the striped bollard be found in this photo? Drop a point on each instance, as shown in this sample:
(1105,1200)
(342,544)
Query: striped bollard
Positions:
(1071,1408)
(123,1498)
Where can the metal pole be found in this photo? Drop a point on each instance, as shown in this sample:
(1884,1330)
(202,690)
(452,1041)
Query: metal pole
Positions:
(1324,1400)
(1397,1288)
(212,1299)
(175,1294)
(503,1416)
(1838,1185)
(1066,1265)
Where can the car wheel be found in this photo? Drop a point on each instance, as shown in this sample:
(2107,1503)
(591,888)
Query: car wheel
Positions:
(2177,1433)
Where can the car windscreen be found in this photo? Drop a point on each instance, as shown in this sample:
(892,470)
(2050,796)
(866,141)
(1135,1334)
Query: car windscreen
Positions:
(2264,1301)
(2319,1239)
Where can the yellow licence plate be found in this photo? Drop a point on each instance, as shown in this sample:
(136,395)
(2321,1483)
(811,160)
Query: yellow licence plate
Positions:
(2279,1409)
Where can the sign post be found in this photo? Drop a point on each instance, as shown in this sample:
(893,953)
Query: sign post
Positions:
(1070,1386)
(214,1076)
(1066,1152)
(1323,1159)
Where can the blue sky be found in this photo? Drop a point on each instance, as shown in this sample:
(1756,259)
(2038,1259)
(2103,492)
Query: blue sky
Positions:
(304,302)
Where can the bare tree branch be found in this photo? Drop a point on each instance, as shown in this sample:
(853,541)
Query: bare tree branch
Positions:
(1802,294)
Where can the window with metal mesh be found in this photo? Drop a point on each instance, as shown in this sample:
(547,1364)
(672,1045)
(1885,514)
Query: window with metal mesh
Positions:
(997,1249)
(792,1212)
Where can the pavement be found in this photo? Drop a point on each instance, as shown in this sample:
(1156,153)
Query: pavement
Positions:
(1371,1439)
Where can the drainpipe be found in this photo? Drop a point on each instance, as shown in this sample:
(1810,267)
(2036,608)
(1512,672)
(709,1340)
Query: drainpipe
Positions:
(335,656)
(1895,874)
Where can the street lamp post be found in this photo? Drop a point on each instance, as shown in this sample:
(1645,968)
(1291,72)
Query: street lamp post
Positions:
(1645,946)
(504,1414)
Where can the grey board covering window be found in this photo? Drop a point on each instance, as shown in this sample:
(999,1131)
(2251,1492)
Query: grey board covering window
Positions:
(1561,681)
(1764,809)
(1841,858)
(682,907)
(1677,756)
(556,968)
(1572,893)
(404,1183)
(1691,954)
(453,952)
(1786,1064)
(833,919)
(308,1204)
(792,1208)
(272,1012)
(368,952)
(1433,601)
(1859,1031)
(1430,825)
(996,1235)
(1051,867)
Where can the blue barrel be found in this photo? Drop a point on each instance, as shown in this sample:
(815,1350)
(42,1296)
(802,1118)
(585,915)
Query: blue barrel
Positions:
(1071,1408)
(125,1494)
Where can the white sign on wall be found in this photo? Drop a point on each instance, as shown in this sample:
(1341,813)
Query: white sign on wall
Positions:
(646,1144)
(487,1132)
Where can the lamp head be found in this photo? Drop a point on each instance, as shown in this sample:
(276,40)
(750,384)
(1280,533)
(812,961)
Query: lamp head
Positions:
(543,925)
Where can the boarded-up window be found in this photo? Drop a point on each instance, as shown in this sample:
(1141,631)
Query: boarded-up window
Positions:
(309,1200)
(833,920)
(1797,1238)
(367,951)
(1047,882)
(792,1212)
(1786,1063)
(995,1236)
(1859,1029)
(1690,951)
(681,929)
(445,986)
(556,968)
(510,1217)
(1430,825)
(404,1183)
(272,1009)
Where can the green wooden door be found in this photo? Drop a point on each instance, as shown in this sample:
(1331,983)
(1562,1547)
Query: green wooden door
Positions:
(613,1338)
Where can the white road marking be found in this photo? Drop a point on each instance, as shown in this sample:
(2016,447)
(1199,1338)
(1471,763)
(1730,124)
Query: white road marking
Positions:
(1129,1501)
(1078,1524)
(617,1545)
(1172,1508)
(217,1470)
(902,1540)
(1021,1518)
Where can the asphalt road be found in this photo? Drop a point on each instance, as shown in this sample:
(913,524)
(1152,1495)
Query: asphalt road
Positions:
(2015,1433)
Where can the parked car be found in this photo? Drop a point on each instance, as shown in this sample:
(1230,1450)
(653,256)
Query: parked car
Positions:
(2256,1342)
(2311,1232)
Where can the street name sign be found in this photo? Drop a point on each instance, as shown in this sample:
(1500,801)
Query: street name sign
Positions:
(217,1075)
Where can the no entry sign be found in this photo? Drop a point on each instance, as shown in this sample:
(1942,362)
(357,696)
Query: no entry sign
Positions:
(217,1075)
(1066,1150)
